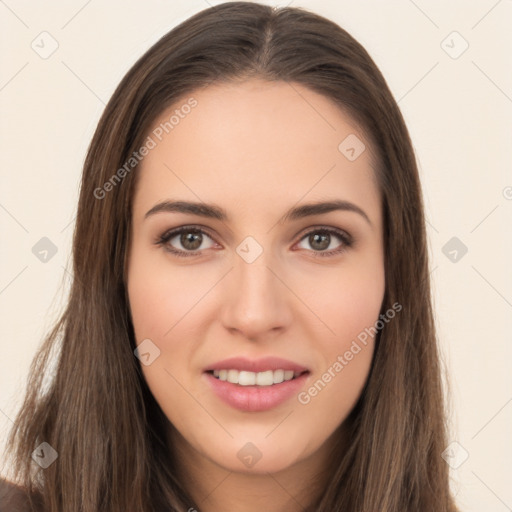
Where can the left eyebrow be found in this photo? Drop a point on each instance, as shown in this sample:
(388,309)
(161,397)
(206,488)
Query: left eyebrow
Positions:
(307,210)
(215,212)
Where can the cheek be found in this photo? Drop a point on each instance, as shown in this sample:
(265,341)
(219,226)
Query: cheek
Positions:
(347,301)
(348,305)
(356,305)
(162,309)
(168,307)
(159,298)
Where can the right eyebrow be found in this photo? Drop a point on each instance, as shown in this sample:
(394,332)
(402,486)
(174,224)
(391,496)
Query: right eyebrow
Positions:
(201,209)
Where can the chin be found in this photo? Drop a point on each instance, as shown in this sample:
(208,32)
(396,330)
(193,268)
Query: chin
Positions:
(257,458)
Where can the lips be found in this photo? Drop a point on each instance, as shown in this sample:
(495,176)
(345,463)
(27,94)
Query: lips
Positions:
(257,365)
(255,398)
(261,395)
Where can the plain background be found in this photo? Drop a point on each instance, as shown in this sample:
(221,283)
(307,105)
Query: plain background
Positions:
(457,103)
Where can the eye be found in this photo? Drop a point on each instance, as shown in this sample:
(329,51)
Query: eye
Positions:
(189,237)
(321,239)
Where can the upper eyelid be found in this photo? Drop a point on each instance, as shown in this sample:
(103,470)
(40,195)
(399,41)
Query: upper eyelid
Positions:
(171,233)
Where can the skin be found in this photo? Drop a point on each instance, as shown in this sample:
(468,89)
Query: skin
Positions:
(256,149)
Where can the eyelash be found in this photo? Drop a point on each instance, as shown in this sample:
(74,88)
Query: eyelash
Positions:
(163,240)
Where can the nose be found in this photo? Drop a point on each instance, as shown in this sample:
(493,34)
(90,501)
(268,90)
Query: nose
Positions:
(256,300)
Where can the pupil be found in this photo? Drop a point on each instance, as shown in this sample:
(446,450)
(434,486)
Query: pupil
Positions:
(314,239)
(189,237)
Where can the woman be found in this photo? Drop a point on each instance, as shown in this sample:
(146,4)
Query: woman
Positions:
(250,323)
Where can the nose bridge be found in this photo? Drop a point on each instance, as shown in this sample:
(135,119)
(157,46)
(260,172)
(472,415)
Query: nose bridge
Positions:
(257,299)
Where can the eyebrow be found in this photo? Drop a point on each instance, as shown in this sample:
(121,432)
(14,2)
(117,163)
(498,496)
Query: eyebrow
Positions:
(215,212)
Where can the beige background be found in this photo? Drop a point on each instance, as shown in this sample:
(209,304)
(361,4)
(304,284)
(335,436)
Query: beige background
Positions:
(458,111)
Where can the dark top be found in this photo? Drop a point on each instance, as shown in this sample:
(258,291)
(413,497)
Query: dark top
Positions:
(15,499)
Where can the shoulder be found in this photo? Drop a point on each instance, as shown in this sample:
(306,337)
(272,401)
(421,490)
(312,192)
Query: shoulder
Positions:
(14,498)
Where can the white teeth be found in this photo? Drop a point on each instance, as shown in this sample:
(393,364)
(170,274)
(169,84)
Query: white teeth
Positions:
(278,376)
(264,378)
(233,376)
(288,374)
(244,378)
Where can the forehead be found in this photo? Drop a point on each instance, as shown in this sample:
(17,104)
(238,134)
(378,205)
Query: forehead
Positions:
(256,144)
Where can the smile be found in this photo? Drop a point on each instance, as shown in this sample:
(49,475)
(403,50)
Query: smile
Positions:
(255,397)
(246,378)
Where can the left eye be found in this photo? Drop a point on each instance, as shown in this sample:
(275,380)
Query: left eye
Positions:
(192,238)
(320,239)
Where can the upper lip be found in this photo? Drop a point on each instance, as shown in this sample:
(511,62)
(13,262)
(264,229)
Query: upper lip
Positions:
(256,365)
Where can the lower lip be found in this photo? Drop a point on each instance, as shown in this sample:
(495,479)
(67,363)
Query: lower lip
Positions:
(255,398)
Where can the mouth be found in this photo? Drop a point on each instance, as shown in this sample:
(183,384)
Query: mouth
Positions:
(256,385)
(261,379)
(255,392)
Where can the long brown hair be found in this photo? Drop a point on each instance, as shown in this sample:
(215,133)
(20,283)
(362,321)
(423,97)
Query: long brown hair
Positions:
(97,411)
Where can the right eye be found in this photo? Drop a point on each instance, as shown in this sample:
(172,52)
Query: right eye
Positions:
(190,238)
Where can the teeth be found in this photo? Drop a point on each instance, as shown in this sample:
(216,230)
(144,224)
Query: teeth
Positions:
(267,378)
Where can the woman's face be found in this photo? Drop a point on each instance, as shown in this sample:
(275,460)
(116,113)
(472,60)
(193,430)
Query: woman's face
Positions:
(257,276)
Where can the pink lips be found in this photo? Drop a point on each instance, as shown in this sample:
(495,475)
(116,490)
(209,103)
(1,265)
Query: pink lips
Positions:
(257,365)
(256,398)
